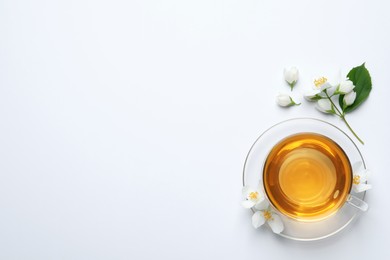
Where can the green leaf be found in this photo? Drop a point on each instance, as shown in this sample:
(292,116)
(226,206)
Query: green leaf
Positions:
(362,80)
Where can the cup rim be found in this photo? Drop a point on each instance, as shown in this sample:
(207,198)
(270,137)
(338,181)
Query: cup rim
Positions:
(346,191)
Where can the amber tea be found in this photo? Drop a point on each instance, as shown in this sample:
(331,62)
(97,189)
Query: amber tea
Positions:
(307,176)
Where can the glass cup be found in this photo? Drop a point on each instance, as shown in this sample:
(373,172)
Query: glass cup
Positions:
(304,165)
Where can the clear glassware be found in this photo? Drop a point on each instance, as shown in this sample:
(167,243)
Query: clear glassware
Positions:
(253,174)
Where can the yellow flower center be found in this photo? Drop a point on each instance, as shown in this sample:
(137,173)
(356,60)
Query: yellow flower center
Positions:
(356,179)
(267,215)
(320,81)
(253,195)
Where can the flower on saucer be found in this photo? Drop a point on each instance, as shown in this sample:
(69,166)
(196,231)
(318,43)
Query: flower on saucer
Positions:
(360,176)
(253,197)
(266,214)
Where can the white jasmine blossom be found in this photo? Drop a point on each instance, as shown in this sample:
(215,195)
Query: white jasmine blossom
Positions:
(254,197)
(325,106)
(266,214)
(324,92)
(349,98)
(291,76)
(312,95)
(285,100)
(360,176)
(320,88)
(345,87)
(331,91)
(321,84)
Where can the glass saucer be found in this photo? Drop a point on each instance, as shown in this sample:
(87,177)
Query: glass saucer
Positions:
(253,174)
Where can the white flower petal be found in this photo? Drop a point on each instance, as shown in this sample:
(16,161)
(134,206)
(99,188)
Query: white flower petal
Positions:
(276,223)
(356,167)
(284,100)
(324,105)
(345,86)
(291,75)
(258,219)
(330,90)
(361,187)
(321,83)
(260,197)
(326,86)
(246,190)
(349,98)
(264,204)
(364,175)
(336,79)
(248,204)
(311,95)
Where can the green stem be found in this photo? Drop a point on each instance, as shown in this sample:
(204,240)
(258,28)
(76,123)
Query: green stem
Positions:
(333,104)
(342,116)
(350,128)
(291,85)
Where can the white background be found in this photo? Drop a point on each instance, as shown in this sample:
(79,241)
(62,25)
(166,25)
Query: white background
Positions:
(124,125)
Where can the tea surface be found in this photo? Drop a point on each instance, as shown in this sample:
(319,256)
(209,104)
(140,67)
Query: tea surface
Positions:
(307,176)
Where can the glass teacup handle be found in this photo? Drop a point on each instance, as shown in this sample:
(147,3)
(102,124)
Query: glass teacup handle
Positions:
(357,203)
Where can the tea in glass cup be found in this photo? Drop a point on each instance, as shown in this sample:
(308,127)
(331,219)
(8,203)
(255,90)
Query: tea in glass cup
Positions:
(307,176)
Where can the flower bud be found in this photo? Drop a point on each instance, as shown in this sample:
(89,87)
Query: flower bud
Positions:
(291,76)
(285,100)
(325,106)
(349,98)
(345,87)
